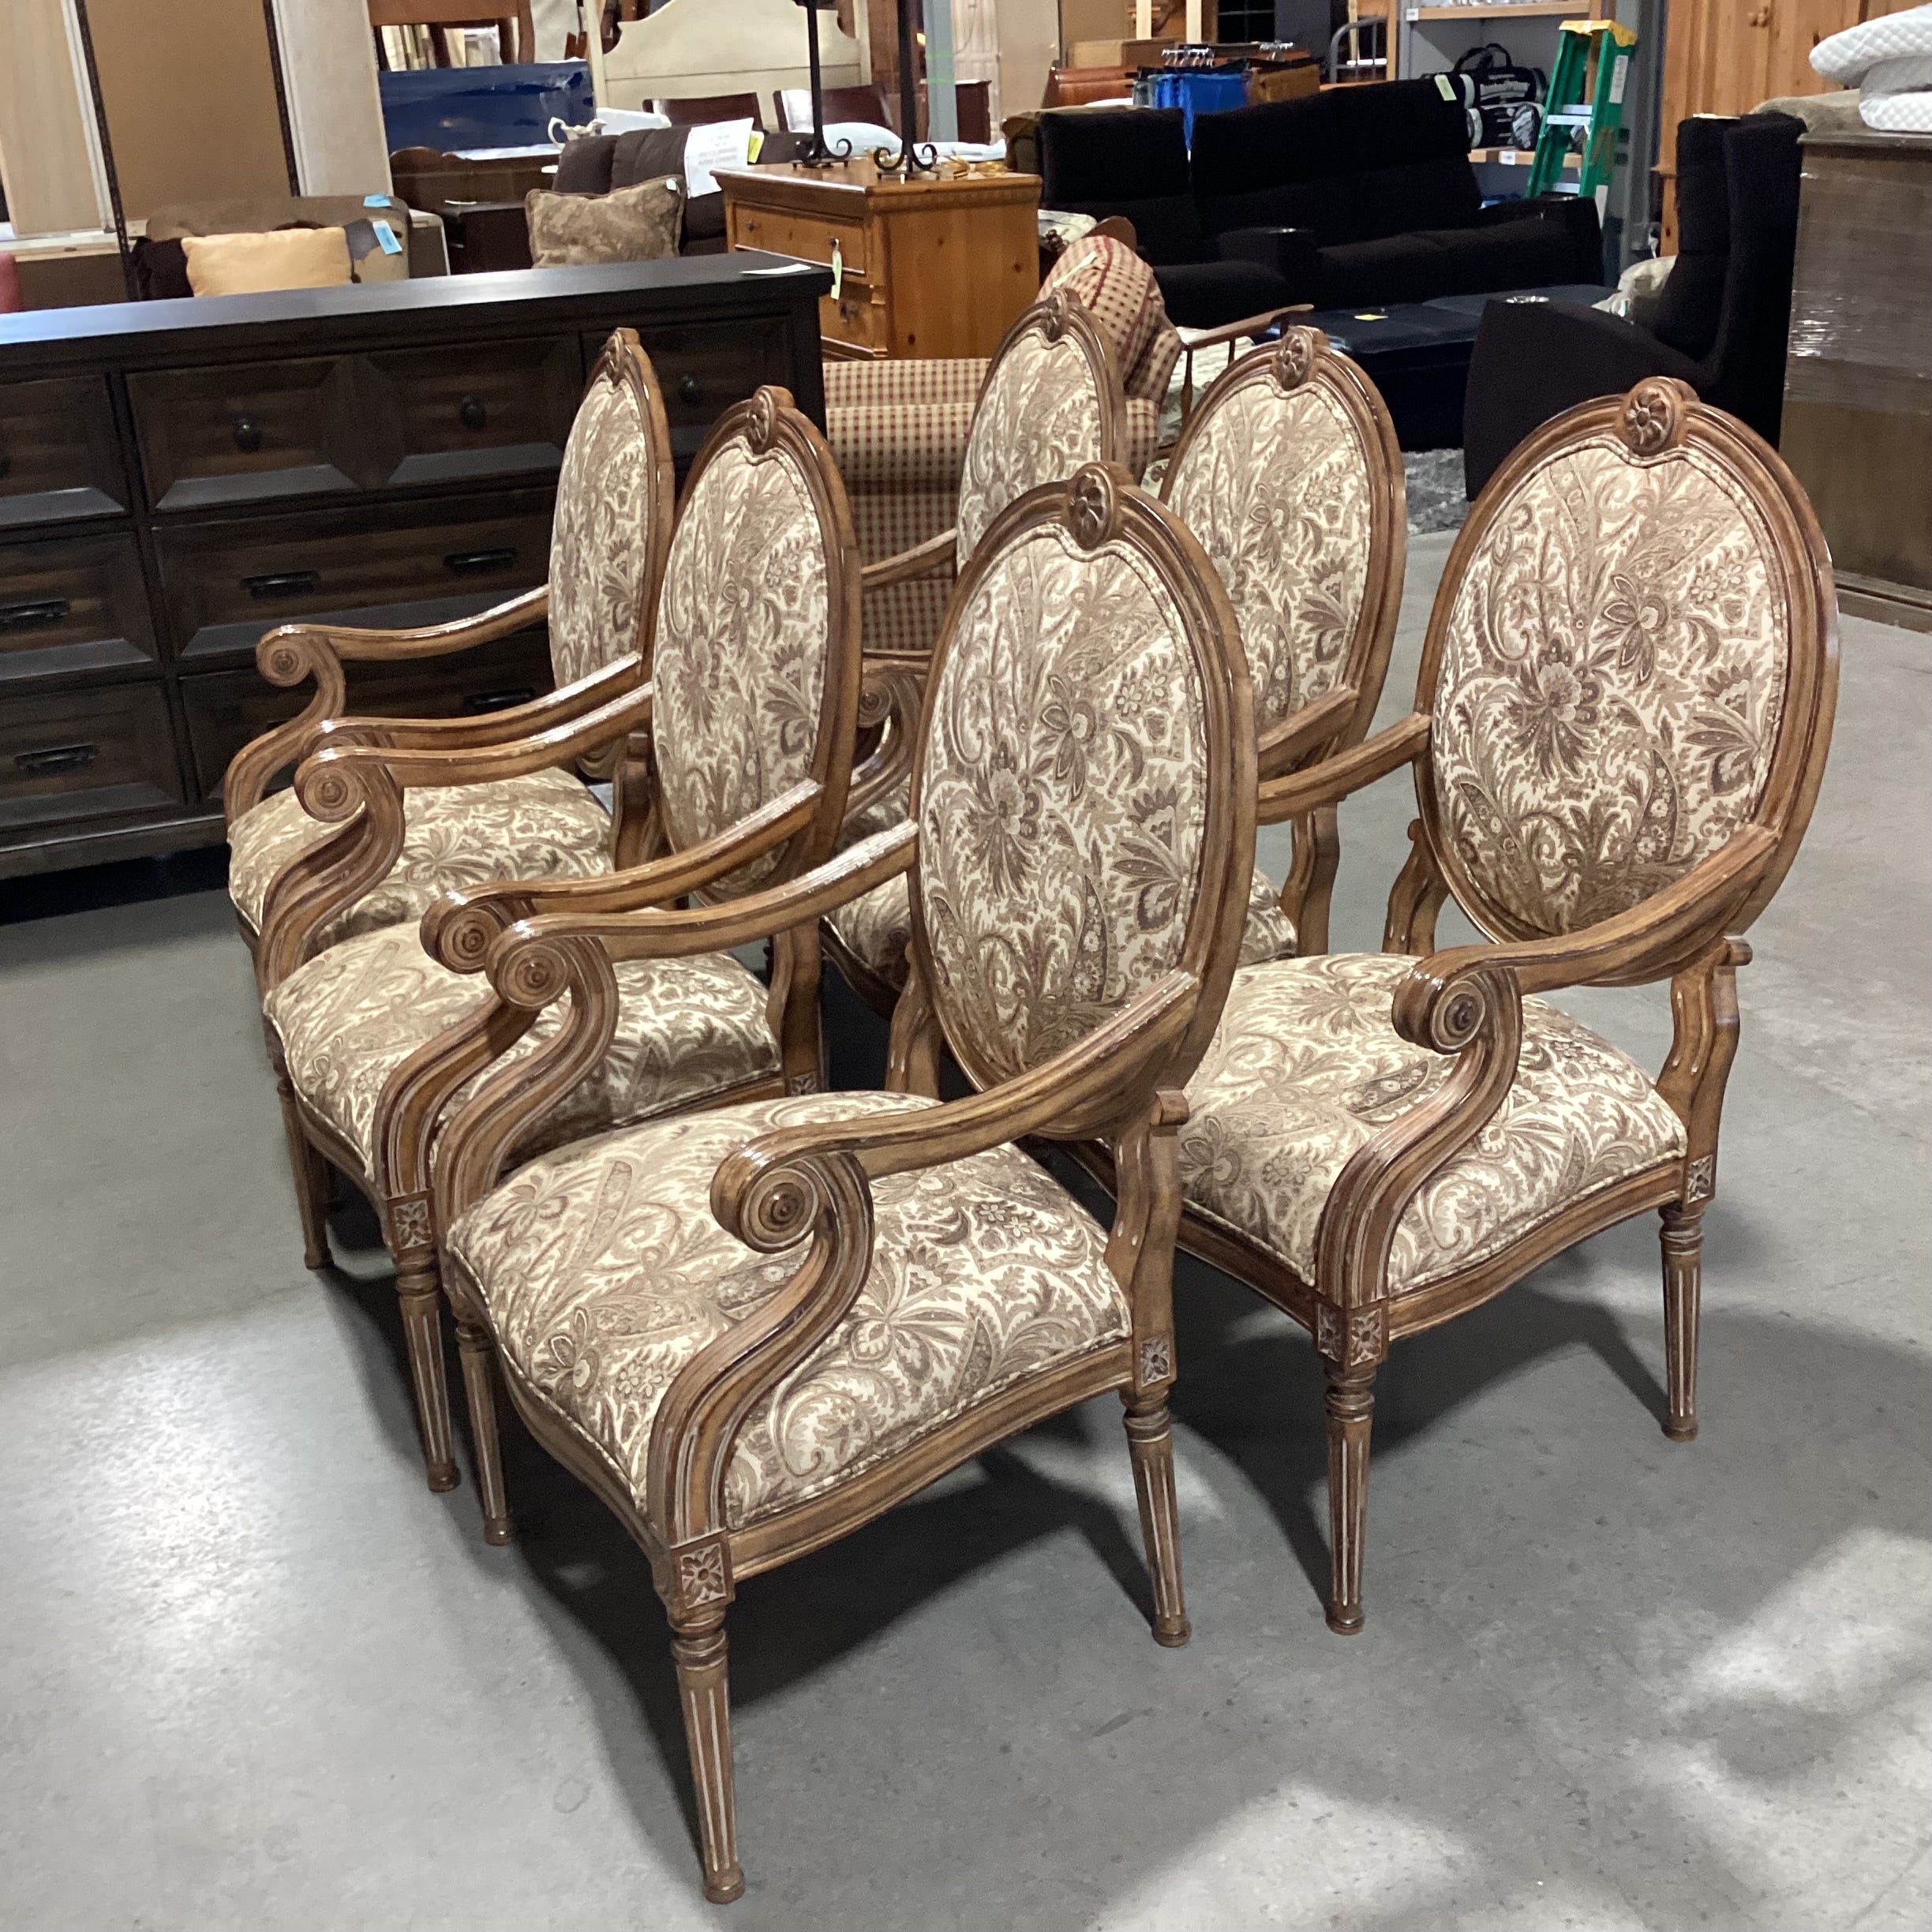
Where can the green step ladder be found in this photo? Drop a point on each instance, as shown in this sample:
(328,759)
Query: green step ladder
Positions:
(1584,108)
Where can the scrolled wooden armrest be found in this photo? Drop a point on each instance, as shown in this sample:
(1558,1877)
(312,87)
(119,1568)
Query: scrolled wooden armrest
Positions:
(490,728)
(1438,1006)
(1055,1099)
(1333,779)
(652,934)
(1193,338)
(291,653)
(458,929)
(329,782)
(1302,732)
(925,559)
(890,696)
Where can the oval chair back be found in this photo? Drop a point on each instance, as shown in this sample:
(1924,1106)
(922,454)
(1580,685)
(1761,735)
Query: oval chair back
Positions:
(1083,780)
(1632,657)
(755,662)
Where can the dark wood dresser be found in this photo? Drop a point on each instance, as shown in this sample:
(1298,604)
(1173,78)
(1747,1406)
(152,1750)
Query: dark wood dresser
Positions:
(176,477)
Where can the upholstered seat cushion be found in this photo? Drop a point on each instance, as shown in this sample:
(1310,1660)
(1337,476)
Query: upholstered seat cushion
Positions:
(604,1273)
(876,928)
(544,826)
(1307,1067)
(687,1030)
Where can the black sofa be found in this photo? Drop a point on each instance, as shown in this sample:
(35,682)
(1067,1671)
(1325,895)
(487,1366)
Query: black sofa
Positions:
(1720,324)
(1358,195)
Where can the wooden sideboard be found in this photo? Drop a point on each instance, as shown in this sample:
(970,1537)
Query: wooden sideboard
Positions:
(1858,397)
(177,477)
(934,267)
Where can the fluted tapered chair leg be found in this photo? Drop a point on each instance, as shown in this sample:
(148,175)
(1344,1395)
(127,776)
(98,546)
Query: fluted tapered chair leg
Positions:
(422,1302)
(477,1352)
(1150,1442)
(1351,1415)
(310,1173)
(1683,1240)
(704,1692)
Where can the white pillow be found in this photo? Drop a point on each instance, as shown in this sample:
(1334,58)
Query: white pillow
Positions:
(1889,61)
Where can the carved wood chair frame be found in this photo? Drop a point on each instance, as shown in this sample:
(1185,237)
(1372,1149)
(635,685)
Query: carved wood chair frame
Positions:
(807,1189)
(1304,358)
(1466,1002)
(353,781)
(292,653)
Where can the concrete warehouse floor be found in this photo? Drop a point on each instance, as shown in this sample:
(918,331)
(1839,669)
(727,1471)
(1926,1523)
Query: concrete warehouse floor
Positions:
(252,1675)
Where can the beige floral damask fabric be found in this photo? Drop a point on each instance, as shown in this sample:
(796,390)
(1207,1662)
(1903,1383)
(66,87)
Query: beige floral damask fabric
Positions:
(601,540)
(687,1030)
(604,1273)
(1306,1067)
(1064,798)
(1038,420)
(1276,486)
(1612,682)
(739,670)
(876,928)
(545,824)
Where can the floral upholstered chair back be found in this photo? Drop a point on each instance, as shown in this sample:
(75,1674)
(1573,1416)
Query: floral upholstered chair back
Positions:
(1289,472)
(1083,786)
(612,527)
(1629,661)
(1051,401)
(755,666)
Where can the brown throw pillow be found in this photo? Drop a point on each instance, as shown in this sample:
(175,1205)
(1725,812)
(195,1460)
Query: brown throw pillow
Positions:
(644,153)
(628,224)
(584,164)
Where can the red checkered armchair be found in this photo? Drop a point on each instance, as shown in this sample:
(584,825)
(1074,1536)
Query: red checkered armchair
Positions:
(899,429)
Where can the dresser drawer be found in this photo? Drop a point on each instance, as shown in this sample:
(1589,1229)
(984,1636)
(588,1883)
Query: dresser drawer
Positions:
(254,431)
(85,754)
(485,410)
(72,603)
(226,709)
(808,237)
(58,453)
(224,584)
(703,368)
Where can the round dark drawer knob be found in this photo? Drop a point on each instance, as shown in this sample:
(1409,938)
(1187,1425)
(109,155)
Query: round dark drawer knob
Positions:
(473,412)
(690,389)
(247,435)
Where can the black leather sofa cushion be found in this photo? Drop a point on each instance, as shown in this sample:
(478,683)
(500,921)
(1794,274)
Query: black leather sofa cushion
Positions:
(1205,294)
(1515,255)
(1414,196)
(1392,269)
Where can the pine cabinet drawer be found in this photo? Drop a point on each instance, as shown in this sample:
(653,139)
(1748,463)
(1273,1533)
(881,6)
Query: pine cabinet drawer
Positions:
(226,709)
(72,603)
(85,754)
(486,410)
(58,453)
(224,584)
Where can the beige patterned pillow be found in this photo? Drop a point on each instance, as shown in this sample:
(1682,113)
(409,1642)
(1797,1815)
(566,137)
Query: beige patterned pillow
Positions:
(628,224)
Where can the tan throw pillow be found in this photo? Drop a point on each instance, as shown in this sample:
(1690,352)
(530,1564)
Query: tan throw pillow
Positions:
(628,224)
(253,265)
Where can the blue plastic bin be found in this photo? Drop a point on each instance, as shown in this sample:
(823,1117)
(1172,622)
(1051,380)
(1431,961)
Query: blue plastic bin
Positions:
(1195,92)
(451,108)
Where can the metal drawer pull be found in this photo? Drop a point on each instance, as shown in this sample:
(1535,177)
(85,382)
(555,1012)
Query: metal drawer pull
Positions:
(471,562)
(58,758)
(690,389)
(31,616)
(282,583)
(247,435)
(473,412)
(497,701)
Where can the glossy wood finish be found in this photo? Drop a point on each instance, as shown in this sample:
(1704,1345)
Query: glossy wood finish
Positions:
(177,477)
(808,1189)
(931,267)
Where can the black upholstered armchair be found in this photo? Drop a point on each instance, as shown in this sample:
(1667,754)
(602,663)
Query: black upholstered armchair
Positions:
(1720,324)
